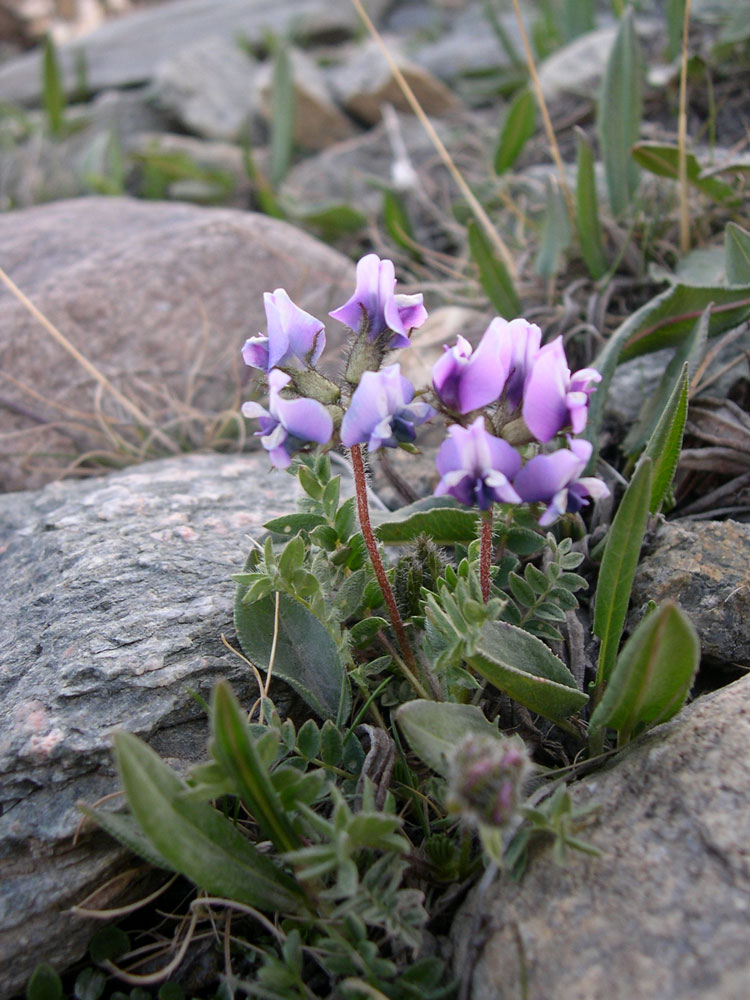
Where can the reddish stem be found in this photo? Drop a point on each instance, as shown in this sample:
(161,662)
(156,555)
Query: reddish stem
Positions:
(363,509)
(485,553)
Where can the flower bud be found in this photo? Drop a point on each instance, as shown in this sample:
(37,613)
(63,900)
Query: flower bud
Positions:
(487,774)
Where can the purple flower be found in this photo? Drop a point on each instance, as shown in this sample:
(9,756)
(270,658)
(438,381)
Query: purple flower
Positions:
(553,399)
(465,379)
(523,339)
(381,413)
(288,424)
(295,338)
(476,467)
(553,480)
(374,308)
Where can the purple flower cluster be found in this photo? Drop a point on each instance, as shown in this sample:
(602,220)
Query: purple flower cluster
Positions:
(509,378)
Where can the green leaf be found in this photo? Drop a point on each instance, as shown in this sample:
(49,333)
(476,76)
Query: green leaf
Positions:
(308,740)
(587,210)
(663,159)
(331,744)
(555,232)
(619,116)
(443,519)
(125,829)
(618,566)
(689,352)
(194,838)
(665,443)
(737,254)
(517,129)
(520,665)
(290,524)
(170,991)
(53,93)
(44,984)
(397,222)
(653,674)
(433,729)
(89,984)
(108,943)
(665,321)
(675,14)
(238,755)
(333,221)
(493,275)
(282,115)
(307,658)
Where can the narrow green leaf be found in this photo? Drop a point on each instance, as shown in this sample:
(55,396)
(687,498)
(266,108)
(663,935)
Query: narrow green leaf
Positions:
(663,160)
(555,233)
(663,448)
(194,838)
(282,116)
(520,665)
(443,519)
(737,254)
(237,754)
(397,222)
(619,115)
(689,352)
(653,674)
(587,210)
(618,567)
(517,129)
(433,729)
(125,829)
(675,14)
(493,275)
(53,93)
(333,221)
(307,658)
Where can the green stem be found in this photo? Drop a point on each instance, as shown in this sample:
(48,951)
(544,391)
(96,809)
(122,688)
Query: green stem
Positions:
(363,509)
(485,553)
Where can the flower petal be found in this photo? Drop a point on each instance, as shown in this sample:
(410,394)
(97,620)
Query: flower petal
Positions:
(544,407)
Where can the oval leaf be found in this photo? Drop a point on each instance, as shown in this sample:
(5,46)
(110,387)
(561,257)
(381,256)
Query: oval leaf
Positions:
(433,729)
(653,674)
(519,664)
(443,519)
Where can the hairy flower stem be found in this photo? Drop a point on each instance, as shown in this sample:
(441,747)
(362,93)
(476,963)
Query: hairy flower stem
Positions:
(485,553)
(363,509)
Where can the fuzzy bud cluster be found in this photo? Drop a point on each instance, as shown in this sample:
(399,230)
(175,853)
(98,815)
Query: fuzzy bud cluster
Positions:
(487,775)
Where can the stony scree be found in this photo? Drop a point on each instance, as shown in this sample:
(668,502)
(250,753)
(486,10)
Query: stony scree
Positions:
(117,593)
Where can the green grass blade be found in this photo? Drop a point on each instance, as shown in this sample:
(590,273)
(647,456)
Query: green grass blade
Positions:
(618,567)
(53,93)
(619,116)
(239,757)
(518,128)
(555,233)
(587,210)
(493,275)
(663,448)
(282,116)
(737,254)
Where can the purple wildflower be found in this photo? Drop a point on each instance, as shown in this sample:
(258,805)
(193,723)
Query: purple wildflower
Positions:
(374,308)
(465,379)
(288,424)
(553,399)
(553,480)
(295,338)
(381,413)
(523,340)
(476,467)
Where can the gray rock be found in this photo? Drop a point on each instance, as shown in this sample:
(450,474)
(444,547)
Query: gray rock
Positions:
(210,87)
(318,122)
(161,298)
(365,81)
(577,67)
(129,49)
(703,566)
(120,594)
(663,913)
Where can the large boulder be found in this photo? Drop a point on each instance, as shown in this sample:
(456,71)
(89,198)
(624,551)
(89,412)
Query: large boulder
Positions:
(160,298)
(116,594)
(663,912)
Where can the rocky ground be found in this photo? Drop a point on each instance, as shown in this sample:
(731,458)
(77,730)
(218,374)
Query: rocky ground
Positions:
(134,227)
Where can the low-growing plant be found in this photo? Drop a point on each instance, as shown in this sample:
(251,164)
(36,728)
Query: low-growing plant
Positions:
(333,836)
